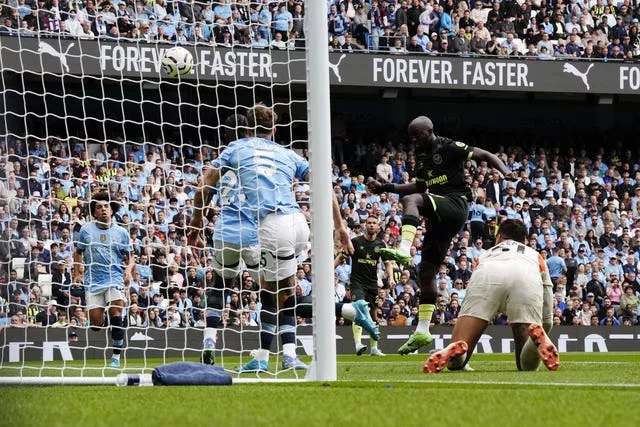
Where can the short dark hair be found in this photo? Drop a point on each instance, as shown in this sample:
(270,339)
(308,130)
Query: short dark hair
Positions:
(102,196)
(235,127)
(513,229)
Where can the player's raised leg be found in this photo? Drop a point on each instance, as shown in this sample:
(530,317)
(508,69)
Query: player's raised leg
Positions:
(429,266)
(440,165)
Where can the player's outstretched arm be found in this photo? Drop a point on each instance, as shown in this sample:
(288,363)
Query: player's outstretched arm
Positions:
(401,189)
(341,232)
(202,197)
(493,161)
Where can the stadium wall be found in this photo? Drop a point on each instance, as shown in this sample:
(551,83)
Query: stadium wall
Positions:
(48,344)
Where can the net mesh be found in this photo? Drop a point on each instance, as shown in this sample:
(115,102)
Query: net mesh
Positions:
(66,134)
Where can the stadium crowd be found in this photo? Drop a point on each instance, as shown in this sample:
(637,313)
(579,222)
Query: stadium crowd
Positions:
(582,211)
(533,28)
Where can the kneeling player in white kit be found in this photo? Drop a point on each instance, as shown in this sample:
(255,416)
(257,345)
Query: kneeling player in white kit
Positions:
(511,278)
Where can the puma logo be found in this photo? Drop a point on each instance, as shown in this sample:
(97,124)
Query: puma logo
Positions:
(48,49)
(571,69)
(335,68)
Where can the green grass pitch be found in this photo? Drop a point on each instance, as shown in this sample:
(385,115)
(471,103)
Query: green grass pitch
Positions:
(589,389)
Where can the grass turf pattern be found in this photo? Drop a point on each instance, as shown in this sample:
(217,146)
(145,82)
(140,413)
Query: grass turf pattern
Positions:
(590,389)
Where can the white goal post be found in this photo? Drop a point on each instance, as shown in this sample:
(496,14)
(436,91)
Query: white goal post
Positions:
(78,116)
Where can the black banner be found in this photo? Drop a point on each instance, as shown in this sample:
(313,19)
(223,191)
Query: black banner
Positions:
(118,60)
(48,344)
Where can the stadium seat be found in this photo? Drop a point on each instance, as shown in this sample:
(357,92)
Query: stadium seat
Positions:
(44,282)
(17,264)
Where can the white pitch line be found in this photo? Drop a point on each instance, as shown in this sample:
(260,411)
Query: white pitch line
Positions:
(404,362)
(524,383)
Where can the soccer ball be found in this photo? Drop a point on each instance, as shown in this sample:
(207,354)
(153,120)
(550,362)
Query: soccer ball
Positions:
(177,61)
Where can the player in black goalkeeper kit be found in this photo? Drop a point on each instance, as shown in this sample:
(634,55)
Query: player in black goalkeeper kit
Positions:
(441,195)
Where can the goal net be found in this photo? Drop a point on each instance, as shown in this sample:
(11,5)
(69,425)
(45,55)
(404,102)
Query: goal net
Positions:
(88,109)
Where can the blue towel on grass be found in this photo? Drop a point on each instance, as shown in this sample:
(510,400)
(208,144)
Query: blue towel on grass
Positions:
(190,373)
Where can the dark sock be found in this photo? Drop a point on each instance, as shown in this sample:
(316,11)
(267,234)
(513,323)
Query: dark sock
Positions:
(117,333)
(287,329)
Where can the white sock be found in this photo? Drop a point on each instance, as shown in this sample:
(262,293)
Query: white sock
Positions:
(116,356)
(289,350)
(423,326)
(405,246)
(348,312)
(262,354)
(210,333)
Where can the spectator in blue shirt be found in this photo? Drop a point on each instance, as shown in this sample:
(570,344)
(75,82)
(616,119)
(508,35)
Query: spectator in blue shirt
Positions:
(556,265)
(222,13)
(264,22)
(610,319)
(337,24)
(397,170)
(446,23)
(283,22)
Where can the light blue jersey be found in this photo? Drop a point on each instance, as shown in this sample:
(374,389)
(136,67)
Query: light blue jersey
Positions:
(103,252)
(477,212)
(236,223)
(556,266)
(265,172)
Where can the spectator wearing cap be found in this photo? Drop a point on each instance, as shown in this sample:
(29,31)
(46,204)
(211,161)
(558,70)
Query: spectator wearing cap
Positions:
(618,30)
(613,267)
(179,37)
